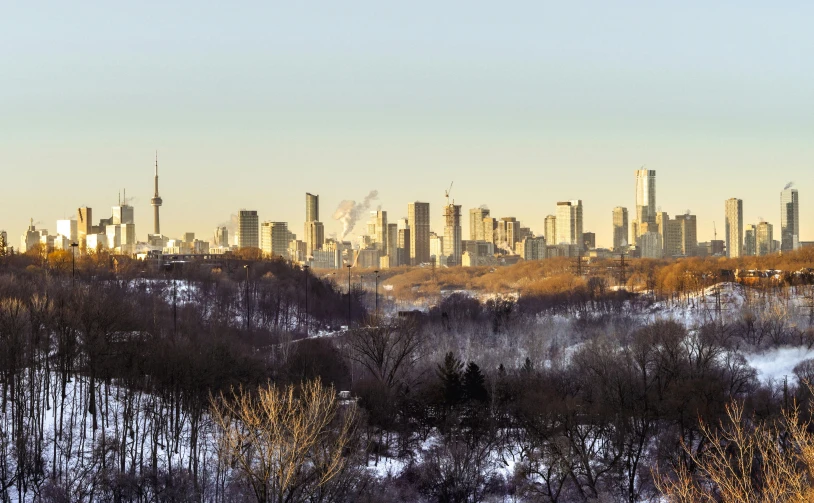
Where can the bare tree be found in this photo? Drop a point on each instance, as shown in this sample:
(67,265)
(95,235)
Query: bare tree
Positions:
(288,445)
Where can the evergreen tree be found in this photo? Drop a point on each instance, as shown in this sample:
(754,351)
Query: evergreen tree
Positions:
(450,373)
(474,383)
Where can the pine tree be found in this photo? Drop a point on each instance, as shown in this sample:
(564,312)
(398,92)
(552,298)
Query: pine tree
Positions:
(474,383)
(450,374)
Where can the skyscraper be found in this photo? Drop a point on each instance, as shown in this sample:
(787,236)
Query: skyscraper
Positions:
(476,216)
(123,213)
(311,207)
(689,234)
(765,238)
(392,245)
(379,230)
(569,222)
(452,233)
(314,237)
(550,230)
(749,240)
(314,229)
(789,220)
(248,229)
(221,237)
(156,201)
(274,238)
(645,196)
(84,224)
(418,218)
(734,227)
(620,228)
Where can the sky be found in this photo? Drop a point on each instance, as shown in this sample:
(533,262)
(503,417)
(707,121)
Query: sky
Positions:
(521,104)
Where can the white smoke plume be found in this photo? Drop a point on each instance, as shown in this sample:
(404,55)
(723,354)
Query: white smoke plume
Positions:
(348,212)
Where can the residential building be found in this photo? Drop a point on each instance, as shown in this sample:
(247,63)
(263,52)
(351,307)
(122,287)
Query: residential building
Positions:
(418,219)
(314,236)
(749,240)
(274,239)
(534,248)
(734,227)
(248,229)
(311,207)
(764,238)
(476,216)
(645,197)
(550,230)
(569,222)
(789,220)
(620,228)
(452,234)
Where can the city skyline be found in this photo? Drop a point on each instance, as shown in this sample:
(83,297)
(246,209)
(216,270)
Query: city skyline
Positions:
(333,227)
(558,102)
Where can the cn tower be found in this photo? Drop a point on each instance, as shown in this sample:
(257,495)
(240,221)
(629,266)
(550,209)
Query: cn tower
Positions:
(156,201)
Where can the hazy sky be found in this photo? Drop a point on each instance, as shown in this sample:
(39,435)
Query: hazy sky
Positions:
(522,104)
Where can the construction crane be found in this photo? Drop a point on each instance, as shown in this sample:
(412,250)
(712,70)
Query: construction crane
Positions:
(447,192)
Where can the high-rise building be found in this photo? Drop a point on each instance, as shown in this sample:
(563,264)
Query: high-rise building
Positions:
(452,234)
(379,230)
(671,235)
(689,234)
(589,240)
(311,207)
(274,238)
(764,239)
(156,202)
(490,234)
(508,234)
(734,227)
(314,229)
(123,213)
(476,216)
(248,226)
(569,222)
(645,196)
(84,224)
(314,237)
(221,237)
(67,228)
(789,220)
(392,245)
(550,230)
(418,218)
(533,248)
(620,228)
(749,240)
(404,246)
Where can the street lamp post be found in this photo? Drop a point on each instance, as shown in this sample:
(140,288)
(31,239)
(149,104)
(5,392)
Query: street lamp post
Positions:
(377,295)
(305,268)
(349,296)
(73,263)
(248,304)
